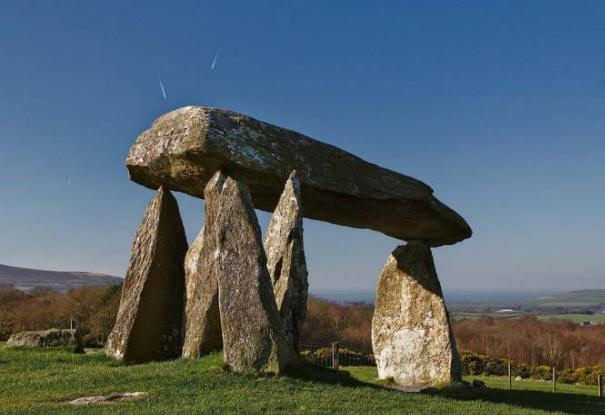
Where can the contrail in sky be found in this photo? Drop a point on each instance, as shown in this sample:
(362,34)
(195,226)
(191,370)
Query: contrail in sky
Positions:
(162,88)
(214,61)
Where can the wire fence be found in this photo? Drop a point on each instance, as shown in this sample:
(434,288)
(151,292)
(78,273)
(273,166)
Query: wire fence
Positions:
(335,355)
(338,355)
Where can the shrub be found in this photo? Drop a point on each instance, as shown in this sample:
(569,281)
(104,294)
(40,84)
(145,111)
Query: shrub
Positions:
(567,376)
(521,370)
(542,372)
(476,364)
(346,356)
(588,375)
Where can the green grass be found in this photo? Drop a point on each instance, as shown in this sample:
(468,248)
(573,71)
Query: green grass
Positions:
(577,318)
(369,374)
(572,299)
(40,381)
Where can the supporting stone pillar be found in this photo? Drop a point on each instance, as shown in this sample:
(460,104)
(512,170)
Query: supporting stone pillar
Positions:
(286,259)
(411,335)
(253,333)
(149,321)
(202,318)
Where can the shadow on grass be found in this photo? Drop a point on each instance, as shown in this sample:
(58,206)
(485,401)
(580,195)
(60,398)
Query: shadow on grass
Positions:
(546,401)
(322,374)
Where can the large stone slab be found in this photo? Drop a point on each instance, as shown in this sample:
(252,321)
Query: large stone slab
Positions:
(286,259)
(149,321)
(46,338)
(202,319)
(253,333)
(411,335)
(184,148)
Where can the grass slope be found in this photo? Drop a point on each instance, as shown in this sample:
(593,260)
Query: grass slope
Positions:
(40,381)
(576,318)
(572,299)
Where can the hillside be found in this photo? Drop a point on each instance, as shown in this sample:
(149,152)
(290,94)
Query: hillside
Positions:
(580,298)
(25,278)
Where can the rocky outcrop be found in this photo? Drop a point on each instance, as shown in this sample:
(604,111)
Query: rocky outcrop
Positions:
(149,321)
(46,338)
(286,260)
(202,319)
(253,334)
(411,335)
(184,148)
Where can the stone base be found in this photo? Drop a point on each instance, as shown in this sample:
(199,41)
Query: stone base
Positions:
(411,335)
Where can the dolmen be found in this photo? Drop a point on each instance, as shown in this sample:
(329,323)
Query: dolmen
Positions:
(233,291)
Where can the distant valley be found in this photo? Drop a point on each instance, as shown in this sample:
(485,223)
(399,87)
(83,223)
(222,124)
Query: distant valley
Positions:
(26,278)
(579,301)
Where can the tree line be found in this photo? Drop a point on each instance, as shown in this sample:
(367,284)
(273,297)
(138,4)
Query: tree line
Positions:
(526,340)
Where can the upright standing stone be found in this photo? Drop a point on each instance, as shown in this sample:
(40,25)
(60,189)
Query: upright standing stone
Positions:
(149,322)
(253,333)
(202,318)
(411,335)
(286,260)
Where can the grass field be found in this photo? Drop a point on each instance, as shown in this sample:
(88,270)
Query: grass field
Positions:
(578,318)
(41,381)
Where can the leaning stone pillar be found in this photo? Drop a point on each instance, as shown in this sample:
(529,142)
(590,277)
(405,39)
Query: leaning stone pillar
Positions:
(286,259)
(253,333)
(149,321)
(202,319)
(411,335)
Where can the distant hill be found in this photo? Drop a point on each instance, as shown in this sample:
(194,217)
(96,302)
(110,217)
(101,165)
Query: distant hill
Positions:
(580,298)
(25,278)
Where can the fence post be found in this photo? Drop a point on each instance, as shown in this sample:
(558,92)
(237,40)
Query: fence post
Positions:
(554,379)
(600,381)
(510,377)
(335,357)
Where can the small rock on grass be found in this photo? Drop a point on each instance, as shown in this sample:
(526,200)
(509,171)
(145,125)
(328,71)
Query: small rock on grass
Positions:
(105,399)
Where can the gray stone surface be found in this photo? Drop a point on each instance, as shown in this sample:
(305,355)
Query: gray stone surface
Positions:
(253,333)
(286,259)
(107,399)
(184,148)
(411,335)
(202,319)
(149,321)
(46,338)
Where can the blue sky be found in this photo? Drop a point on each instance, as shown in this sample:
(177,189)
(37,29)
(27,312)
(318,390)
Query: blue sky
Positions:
(499,106)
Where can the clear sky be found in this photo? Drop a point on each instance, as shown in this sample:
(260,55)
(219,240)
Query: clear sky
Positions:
(498,105)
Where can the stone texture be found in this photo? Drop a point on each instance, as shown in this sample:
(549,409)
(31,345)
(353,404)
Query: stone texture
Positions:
(286,260)
(202,319)
(253,333)
(149,321)
(107,399)
(46,338)
(184,148)
(411,335)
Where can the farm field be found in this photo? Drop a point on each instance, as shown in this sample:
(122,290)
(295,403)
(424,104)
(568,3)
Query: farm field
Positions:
(41,381)
(577,318)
